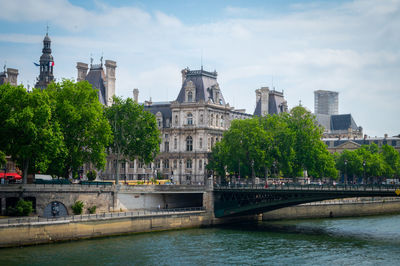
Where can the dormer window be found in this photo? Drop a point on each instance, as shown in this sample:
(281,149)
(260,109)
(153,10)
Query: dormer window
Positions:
(190,91)
(159,119)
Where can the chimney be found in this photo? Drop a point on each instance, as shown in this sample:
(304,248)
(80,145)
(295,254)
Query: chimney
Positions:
(110,80)
(264,98)
(136,95)
(12,74)
(82,71)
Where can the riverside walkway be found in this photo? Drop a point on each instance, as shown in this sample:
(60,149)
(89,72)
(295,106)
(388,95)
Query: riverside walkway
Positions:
(98,216)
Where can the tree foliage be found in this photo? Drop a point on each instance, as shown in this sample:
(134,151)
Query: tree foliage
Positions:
(28,132)
(84,127)
(135,132)
(369,162)
(287,143)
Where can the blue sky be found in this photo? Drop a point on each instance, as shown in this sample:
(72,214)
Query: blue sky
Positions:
(296,46)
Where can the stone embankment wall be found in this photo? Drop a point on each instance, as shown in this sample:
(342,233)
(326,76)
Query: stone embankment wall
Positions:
(62,230)
(335,209)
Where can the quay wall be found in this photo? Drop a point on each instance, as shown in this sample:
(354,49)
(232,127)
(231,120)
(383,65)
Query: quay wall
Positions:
(330,210)
(55,231)
(13,235)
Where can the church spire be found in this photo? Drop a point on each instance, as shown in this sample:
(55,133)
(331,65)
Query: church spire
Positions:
(46,64)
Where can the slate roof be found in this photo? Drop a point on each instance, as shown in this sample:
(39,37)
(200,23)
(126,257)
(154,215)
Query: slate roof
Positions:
(97,78)
(204,81)
(164,108)
(275,100)
(343,122)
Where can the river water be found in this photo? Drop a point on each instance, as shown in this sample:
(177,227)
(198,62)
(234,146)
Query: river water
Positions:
(351,241)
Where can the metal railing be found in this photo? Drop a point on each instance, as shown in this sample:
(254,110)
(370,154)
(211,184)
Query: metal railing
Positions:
(99,216)
(296,186)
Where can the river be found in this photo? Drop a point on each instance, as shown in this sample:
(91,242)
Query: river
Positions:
(360,241)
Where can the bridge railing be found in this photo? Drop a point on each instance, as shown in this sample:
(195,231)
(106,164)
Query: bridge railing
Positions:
(99,216)
(296,186)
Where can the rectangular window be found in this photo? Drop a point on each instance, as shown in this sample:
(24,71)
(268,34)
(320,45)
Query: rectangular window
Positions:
(201,143)
(140,164)
(175,143)
(131,165)
(166,163)
(158,164)
(166,146)
(175,164)
(189,163)
(123,165)
(200,164)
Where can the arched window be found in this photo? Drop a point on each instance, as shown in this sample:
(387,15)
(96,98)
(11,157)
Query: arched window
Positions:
(175,143)
(222,121)
(216,120)
(212,119)
(201,119)
(190,96)
(176,120)
(189,119)
(189,143)
(201,143)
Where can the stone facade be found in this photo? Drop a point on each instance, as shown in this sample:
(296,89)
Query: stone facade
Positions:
(102,81)
(9,75)
(190,126)
(341,144)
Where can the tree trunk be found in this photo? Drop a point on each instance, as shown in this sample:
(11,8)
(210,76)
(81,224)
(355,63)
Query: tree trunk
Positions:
(25,174)
(117,170)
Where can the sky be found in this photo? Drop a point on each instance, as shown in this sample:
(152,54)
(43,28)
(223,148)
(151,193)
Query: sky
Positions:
(297,47)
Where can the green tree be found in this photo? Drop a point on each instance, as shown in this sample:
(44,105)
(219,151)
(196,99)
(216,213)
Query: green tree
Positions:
(307,135)
(28,132)
(391,157)
(135,132)
(3,160)
(85,129)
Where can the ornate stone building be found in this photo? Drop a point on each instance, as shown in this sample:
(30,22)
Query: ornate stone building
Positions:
(9,75)
(103,82)
(190,126)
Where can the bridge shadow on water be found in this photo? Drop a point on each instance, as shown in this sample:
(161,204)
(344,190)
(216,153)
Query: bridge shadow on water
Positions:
(377,230)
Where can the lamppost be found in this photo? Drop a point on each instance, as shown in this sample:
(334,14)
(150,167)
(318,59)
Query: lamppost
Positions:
(345,171)
(180,172)
(364,171)
(274,166)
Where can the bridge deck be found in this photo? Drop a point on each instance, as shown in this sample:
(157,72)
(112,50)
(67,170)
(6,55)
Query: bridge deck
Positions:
(254,199)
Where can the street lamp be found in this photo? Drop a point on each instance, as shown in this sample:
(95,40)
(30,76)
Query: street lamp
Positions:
(364,171)
(180,172)
(345,171)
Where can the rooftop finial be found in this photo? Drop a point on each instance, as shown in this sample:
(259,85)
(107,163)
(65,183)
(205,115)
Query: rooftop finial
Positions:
(201,59)
(4,67)
(101,59)
(299,102)
(91,60)
(47,28)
